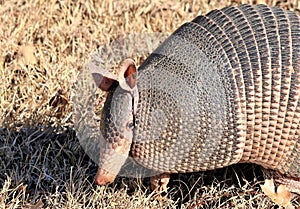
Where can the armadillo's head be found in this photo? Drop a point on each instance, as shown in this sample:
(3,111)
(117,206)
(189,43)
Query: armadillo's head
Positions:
(117,119)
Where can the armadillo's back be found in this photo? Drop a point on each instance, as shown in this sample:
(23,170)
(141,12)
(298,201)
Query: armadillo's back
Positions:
(267,43)
(223,89)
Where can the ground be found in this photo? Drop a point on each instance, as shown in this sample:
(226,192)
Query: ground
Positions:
(44,46)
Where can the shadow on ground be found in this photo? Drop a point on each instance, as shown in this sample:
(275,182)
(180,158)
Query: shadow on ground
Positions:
(47,161)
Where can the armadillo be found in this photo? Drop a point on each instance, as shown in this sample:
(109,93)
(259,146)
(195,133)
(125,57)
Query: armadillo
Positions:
(223,89)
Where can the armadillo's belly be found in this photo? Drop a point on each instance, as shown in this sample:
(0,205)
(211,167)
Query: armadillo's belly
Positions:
(223,89)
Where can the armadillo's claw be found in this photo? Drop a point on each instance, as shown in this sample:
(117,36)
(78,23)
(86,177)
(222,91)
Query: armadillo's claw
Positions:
(159,184)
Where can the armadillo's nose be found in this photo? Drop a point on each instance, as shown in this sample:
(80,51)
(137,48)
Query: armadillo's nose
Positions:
(100,180)
(103,177)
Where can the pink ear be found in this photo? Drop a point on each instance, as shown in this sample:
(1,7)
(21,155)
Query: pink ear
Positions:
(131,75)
(104,83)
(103,78)
(127,74)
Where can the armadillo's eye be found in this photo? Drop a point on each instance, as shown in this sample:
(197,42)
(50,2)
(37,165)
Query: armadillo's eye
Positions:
(130,125)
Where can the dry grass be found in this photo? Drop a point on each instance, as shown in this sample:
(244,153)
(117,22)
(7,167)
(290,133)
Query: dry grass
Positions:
(44,44)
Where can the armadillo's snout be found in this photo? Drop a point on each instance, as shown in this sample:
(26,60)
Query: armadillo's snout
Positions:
(103,177)
(112,157)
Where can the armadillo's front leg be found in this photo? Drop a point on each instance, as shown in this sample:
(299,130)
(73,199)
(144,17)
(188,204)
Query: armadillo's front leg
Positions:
(159,182)
(292,184)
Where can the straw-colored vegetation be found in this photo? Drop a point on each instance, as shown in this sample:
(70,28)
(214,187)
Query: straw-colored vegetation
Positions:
(44,45)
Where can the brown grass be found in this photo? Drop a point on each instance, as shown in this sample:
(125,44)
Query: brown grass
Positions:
(44,45)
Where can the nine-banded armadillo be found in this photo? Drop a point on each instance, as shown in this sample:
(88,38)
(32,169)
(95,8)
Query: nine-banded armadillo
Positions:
(222,89)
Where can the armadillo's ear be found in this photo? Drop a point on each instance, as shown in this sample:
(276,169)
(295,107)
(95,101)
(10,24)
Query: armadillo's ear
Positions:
(102,78)
(104,83)
(127,75)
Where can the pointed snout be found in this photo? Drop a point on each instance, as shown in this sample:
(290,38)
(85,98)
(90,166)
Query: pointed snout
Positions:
(103,177)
